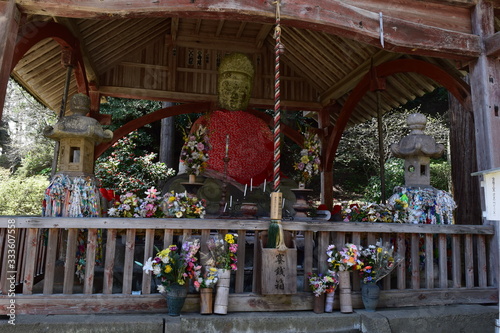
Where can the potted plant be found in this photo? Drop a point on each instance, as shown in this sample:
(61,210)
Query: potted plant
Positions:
(377,262)
(173,266)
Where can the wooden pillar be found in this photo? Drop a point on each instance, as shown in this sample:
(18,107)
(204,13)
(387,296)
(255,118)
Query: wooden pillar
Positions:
(167,139)
(9,26)
(485,92)
(463,163)
(326,175)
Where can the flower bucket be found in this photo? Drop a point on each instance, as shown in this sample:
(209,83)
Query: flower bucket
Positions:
(345,291)
(175,299)
(206,301)
(329,301)
(319,304)
(222,291)
(370,294)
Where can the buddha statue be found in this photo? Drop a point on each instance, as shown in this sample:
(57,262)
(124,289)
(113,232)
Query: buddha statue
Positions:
(249,138)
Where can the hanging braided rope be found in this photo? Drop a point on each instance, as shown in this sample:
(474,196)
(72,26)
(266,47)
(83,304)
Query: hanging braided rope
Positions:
(275,232)
(277,93)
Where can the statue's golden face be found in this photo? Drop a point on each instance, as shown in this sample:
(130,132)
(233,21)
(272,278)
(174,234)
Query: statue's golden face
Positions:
(234,91)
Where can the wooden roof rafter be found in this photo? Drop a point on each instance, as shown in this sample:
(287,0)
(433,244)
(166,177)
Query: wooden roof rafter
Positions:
(335,17)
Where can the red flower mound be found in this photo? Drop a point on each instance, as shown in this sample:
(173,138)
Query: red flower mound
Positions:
(250,145)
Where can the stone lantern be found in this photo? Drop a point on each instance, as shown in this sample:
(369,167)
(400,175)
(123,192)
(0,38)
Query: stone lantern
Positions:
(77,135)
(73,191)
(417,149)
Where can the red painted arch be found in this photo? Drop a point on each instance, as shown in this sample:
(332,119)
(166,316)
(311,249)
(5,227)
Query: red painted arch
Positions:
(456,87)
(34,32)
(178,110)
(148,119)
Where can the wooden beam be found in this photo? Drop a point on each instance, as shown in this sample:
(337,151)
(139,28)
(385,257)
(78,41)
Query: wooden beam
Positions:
(301,301)
(9,25)
(492,45)
(219,28)
(251,225)
(264,31)
(174,29)
(90,68)
(172,96)
(336,17)
(348,82)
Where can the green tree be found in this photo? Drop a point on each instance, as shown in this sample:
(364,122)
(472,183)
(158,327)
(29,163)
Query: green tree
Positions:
(129,169)
(23,145)
(21,195)
(356,167)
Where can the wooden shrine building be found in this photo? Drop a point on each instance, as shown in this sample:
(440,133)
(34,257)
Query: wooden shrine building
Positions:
(340,58)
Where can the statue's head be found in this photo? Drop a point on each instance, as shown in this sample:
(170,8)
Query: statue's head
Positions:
(235,82)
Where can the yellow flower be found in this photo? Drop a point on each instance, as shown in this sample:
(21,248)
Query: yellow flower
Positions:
(229,239)
(163,253)
(178,214)
(168,269)
(171,199)
(379,249)
(304,159)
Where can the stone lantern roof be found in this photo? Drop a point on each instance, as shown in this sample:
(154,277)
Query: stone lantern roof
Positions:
(76,125)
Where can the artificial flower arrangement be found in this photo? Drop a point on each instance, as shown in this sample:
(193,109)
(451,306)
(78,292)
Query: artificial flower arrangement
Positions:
(130,205)
(309,160)
(345,259)
(183,205)
(173,265)
(154,205)
(406,205)
(194,153)
(206,280)
(378,261)
(222,252)
(422,205)
(370,212)
(321,284)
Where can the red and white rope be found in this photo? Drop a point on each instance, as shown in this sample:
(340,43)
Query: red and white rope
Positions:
(277,110)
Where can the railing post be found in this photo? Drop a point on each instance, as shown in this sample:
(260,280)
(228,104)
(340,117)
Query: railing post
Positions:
(128,265)
(148,253)
(109,261)
(91,245)
(69,265)
(29,273)
(50,262)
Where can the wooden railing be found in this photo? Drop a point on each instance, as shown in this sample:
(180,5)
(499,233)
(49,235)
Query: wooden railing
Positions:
(444,264)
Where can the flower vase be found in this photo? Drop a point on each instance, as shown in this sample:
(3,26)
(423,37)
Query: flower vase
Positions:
(206,304)
(370,294)
(222,291)
(301,206)
(345,291)
(192,178)
(329,301)
(302,185)
(175,299)
(319,304)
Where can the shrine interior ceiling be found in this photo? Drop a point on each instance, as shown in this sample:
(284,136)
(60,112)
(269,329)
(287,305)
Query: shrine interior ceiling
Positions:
(176,58)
